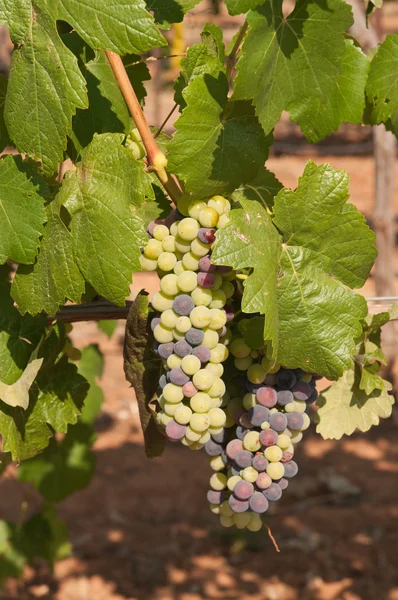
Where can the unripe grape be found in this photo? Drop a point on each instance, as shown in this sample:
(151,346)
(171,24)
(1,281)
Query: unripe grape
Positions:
(239,348)
(218,318)
(242,520)
(173,361)
(162,302)
(200,317)
(219,354)
(187,281)
(255,523)
(174,228)
(228,288)
(199,248)
(168,284)
(232,481)
(148,264)
(216,368)
(170,409)
(217,463)
(160,232)
(218,281)
(252,441)
(190,261)
(169,318)
(153,249)
(220,204)
(226,521)
(188,229)
(173,393)
(190,364)
(218,387)
(256,373)
(208,217)
(179,268)
(217,417)
(191,435)
(276,470)
(242,364)
(162,334)
(169,243)
(199,422)
(249,400)
(201,296)
(167,261)
(183,324)
(200,403)
(203,379)
(195,207)
(273,453)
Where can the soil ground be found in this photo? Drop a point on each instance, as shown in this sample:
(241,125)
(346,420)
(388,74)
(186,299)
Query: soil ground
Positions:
(143,531)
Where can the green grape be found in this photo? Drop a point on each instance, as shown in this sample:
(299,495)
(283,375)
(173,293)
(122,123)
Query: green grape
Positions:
(297,436)
(225,509)
(148,264)
(203,379)
(177,336)
(226,521)
(299,405)
(218,281)
(199,422)
(256,373)
(199,248)
(183,415)
(204,438)
(223,221)
(210,339)
(215,401)
(249,400)
(162,334)
(192,436)
(220,204)
(306,423)
(183,324)
(164,419)
(170,409)
(239,348)
(174,228)
(162,302)
(217,388)
(217,463)
(173,393)
(255,523)
(137,150)
(306,377)
(283,441)
(169,318)
(188,229)
(135,135)
(195,207)
(179,268)
(201,296)
(200,402)
(167,261)
(251,440)
(196,446)
(228,288)
(275,470)
(200,317)
(215,508)
(241,520)
(190,261)
(215,430)
(173,361)
(265,425)
(187,281)
(217,417)
(219,353)
(182,245)
(225,399)
(274,369)
(216,368)
(168,285)
(218,318)
(169,243)
(249,474)
(160,232)
(273,453)
(232,481)
(185,442)
(254,354)
(208,217)
(242,364)
(190,364)
(218,481)
(153,249)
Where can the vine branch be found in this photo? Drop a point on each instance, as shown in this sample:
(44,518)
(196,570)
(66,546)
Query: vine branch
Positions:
(232,57)
(156,159)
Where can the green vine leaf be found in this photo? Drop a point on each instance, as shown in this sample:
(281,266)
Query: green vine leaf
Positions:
(12,560)
(167,12)
(120,26)
(55,275)
(91,366)
(44,536)
(218,144)
(142,370)
(382,86)
(237,7)
(44,91)
(263,188)
(22,212)
(294,64)
(304,263)
(103,196)
(16,16)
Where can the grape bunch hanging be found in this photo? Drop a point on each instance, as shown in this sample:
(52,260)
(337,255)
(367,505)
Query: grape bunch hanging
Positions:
(216,392)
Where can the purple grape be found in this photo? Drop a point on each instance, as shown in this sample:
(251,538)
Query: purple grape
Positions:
(243,490)
(278,421)
(202,353)
(172,218)
(230,312)
(268,437)
(302,390)
(213,449)
(260,463)
(233,447)
(244,459)
(295,420)
(258,503)
(316,377)
(241,432)
(178,377)
(205,265)
(291,469)
(189,390)
(313,398)
(238,506)
(215,497)
(286,379)
(183,304)
(182,348)
(244,421)
(155,321)
(206,235)
(270,379)
(252,388)
(258,414)
(162,381)
(286,456)
(234,470)
(220,438)
(284,397)
(273,493)
(195,336)
(175,431)
(206,280)
(283,483)
(237,414)
(266,396)
(263,481)
(166,350)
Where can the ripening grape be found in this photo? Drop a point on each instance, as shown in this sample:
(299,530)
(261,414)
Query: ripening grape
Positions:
(208,217)
(200,316)
(273,492)
(182,349)
(195,336)
(201,296)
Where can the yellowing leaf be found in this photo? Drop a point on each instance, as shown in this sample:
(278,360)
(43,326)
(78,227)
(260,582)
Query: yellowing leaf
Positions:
(17,394)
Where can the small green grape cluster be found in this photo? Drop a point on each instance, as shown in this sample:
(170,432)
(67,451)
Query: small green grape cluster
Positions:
(190,329)
(134,143)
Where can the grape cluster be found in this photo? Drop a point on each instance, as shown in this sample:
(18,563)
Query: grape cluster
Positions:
(253,461)
(190,328)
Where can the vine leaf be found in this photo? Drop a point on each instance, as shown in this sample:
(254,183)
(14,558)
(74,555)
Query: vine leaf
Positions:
(22,213)
(237,7)
(167,12)
(17,394)
(382,85)
(44,536)
(91,366)
(103,196)
(142,370)
(55,275)
(218,144)
(304,261)
(120,26)
(12,560)
(294,63)
(44,91)
(16,16)
(263,188)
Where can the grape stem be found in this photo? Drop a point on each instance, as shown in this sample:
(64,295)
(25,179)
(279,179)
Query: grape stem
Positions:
(157,161)
(159,131)
(273,540)
(232,57)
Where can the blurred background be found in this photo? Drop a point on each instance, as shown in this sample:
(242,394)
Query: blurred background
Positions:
(142,530)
